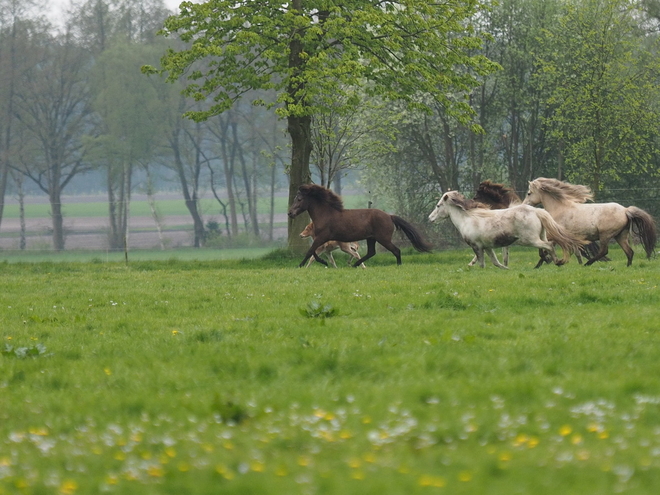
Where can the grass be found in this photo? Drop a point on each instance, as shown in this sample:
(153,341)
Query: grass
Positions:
(252,376)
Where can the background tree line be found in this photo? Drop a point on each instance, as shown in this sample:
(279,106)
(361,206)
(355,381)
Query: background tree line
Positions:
(575,96)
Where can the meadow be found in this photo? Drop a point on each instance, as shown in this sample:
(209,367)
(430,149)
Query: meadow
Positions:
(253,376)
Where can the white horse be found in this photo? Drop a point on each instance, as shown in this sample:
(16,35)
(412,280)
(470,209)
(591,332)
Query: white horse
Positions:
(484,229)
(593,221)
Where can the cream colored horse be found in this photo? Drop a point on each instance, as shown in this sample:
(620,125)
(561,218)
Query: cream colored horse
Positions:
(593,221)
(484,229)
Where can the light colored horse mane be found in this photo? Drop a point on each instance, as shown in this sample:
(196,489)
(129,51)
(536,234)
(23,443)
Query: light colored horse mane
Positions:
(563,191)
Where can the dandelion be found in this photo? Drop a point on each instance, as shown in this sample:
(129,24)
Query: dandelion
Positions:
(465,476)
(68,487)
(156,471)
(281,471)
(354,463)
(434,481)
(583,455)
(366,420)
(532,442)
(225,472)
(175,332)
(41,432)
(345,434)
(304,461)
(357,475)
(170,452)
(369,457)
(504,456)
(565,430)
(107,371)
(257,467)
(111,479)
(576,439)
(603,435)
(228,445)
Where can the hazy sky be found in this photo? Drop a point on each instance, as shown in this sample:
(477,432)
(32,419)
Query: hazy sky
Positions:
(57,7)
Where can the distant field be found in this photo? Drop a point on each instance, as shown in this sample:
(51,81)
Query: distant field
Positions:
(98,207)
(256,377)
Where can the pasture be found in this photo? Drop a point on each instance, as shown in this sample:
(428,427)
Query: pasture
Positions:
(254,376)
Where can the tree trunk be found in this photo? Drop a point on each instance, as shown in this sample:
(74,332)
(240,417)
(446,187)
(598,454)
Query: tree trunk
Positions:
(301,148)
(299,128)
(57,218)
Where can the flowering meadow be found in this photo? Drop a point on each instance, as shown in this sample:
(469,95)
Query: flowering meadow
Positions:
(203,377)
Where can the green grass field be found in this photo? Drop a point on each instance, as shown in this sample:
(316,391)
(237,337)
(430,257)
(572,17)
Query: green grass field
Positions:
(255,377)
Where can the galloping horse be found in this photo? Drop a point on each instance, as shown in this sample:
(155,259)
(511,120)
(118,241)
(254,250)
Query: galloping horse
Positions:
(333,222)
(498,197)
(350,248)
(593,221)
(484,229)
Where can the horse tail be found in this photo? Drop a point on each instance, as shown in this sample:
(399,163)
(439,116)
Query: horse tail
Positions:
(415,236)
(643,228)
(558,235)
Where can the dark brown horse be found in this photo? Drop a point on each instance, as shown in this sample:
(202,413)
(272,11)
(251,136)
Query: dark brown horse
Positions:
(333,222)
(496,196)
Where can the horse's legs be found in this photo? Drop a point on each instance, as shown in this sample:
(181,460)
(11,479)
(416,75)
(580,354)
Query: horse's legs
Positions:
(389,245)
(371,250)
(332,260)
(602,251)
(355,253)
(312,252)
(622,239)
(493,258)
(474,261)
(505,256)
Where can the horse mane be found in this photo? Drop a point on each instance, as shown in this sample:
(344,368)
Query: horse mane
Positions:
(563,191)
(465,203)
(496,195)
(322,195)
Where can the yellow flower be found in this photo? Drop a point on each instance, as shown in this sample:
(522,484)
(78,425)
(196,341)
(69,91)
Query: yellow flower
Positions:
(281,471)
(257,467)
(68,487)
(504,456)
(345,434)
(175,332)
(435,481)
(107,371)
(576,439)
(369,457)
(156,471)
(170,452)
(42,432)
(303,461)
(366,420)
(354,463)
(565,430)
(603,435)
(532,442)
(357,475)
(465,476)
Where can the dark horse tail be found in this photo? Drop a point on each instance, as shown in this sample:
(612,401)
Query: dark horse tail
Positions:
(643,228)
(415,236)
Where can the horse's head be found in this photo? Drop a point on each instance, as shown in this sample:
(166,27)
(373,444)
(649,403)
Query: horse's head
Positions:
(300,204)
(308,232)
(311,195)
(440,210)
(533,196)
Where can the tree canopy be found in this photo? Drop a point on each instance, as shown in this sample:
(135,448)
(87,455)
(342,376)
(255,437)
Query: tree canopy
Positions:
(311,52)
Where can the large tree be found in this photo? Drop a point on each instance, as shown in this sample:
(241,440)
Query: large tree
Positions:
(310,51)
(603,70)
